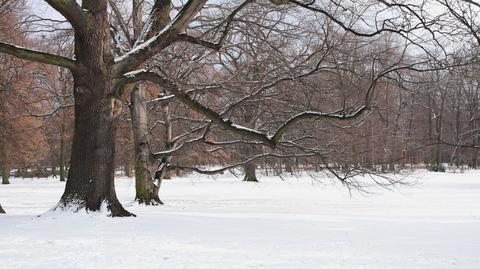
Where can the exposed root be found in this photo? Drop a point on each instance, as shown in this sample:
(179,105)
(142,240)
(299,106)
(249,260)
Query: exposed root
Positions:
(111,208)
(249,179)
(149,202)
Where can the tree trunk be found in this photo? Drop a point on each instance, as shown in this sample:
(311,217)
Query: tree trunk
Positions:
(22,172)
(250,175)
(128,168)
(54,170)
(90,183)
(5,166)
(1,210)
(289,166)
(5,173)
(62,142)
(62,158)
(162,172)
(247,150)
(249,168)
(146,188)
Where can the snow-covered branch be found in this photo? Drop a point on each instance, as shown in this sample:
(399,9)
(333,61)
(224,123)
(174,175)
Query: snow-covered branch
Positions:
(144,51)
(37,56)
(271,141)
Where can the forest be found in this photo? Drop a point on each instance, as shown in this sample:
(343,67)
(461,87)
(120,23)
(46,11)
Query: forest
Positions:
(359,93)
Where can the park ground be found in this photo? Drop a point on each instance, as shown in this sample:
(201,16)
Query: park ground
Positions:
(221,222)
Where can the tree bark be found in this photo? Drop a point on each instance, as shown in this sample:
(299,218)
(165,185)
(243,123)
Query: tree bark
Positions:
(146,189)
(90,183)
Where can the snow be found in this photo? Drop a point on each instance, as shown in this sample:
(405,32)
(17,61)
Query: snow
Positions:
(132,74)
(236,126)
(141,45)
(221,222)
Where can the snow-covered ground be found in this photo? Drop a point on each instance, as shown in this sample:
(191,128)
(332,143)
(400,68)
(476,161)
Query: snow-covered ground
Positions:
(225,223)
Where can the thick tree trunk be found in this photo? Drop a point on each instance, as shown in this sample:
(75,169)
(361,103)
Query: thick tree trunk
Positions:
(90,183)
(146,189)
(1,210)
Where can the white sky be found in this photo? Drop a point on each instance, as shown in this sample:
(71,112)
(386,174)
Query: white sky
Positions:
(40,8)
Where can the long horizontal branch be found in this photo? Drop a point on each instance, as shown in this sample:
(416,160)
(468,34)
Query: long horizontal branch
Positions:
(198,107)
(38,56)
(306,115)
(227,124)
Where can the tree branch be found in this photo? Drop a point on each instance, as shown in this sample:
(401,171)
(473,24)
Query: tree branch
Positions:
(309,5)
(228,22)
(200,42)
(121,22)
(198,107)
(38,56)
(159,41)
(227,124)
(71,11)
(472,2)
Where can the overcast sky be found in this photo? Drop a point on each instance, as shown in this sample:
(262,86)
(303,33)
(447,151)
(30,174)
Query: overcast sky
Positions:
(40,8)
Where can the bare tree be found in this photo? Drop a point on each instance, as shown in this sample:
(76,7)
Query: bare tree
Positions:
(101,71)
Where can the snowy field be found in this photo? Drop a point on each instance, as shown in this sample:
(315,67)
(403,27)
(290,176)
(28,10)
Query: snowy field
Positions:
(222,222)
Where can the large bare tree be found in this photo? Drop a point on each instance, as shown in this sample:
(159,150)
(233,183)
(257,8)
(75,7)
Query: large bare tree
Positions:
(102,70)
